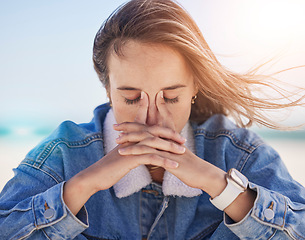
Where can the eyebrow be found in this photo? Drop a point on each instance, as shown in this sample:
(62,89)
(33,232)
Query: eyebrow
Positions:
(138,89)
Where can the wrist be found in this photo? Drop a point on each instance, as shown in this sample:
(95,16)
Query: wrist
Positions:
(82,185)
(215,180)
(76,194)
(237,184)
(86,183)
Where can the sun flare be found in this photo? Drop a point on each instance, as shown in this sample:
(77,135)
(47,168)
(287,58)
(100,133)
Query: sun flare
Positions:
(273,22)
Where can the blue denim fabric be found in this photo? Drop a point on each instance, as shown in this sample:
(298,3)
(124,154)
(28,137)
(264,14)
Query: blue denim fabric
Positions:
(32,206)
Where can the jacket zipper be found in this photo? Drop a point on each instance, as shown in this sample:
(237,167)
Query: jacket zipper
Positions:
(164,206)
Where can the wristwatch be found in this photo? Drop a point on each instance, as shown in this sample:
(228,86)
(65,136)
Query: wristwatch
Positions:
(236,184)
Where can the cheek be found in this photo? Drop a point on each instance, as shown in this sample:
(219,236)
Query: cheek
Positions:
(124,112)
(180,114)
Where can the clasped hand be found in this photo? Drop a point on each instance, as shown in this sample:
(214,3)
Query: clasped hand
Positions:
(160,144)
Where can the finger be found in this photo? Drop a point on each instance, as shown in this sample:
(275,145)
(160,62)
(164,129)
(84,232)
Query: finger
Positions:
(156,160)
(129,127)
(165,117)
(143,107)
(125,137)
(158,131)
(150,145)
(136,150)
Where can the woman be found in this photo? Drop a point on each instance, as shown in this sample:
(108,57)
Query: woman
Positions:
(161,160)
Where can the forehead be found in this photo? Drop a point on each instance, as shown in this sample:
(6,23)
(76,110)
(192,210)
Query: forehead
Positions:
(141,63)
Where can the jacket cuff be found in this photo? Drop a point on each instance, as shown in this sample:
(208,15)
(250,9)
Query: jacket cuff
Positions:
(49,209)
(265,218)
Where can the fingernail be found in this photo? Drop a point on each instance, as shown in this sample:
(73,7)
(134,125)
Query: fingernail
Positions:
(142,94)
(174,164)
(161,94)
(122,150)
(116,125)
(183,139)
(181,149)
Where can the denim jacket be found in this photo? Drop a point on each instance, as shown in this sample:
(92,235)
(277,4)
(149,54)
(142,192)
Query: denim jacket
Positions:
(32,205)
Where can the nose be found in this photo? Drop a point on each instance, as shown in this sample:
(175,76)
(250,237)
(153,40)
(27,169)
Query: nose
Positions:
(152,114)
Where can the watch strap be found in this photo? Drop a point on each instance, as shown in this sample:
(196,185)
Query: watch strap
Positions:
(228,195)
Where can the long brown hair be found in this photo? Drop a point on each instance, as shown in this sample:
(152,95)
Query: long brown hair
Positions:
(219,89)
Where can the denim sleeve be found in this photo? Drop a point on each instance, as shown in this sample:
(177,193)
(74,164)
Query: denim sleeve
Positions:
(42,215)
(279,209)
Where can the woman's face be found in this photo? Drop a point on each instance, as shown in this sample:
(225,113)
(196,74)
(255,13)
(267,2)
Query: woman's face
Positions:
(150,68)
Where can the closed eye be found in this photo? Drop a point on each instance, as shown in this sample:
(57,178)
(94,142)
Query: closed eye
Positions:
(132,101)
(136,100)
(171,100)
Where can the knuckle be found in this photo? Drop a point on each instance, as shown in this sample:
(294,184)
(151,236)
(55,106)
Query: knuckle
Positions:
(143,134)
(150,158)
(163,162)
(157,160)
(166,162)
(124,135)
(147,134)
(171,131)
(155,128)
(131,136)
(141,147)
(154,139)
(153,158)
(172,145)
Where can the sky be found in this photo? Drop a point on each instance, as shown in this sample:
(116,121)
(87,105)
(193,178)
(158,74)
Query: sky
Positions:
(46,70)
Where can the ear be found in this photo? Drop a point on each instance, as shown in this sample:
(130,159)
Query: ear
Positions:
(196,89)
(108,96)
(107,88)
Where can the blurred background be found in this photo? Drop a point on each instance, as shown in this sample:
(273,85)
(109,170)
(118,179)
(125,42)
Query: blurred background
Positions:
(47,76)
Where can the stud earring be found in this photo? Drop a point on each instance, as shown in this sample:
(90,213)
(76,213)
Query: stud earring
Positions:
(193,99)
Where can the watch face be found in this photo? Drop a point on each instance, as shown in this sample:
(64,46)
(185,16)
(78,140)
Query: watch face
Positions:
(238,178)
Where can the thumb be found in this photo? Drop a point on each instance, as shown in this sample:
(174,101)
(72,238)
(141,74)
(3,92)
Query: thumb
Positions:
(142,110)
